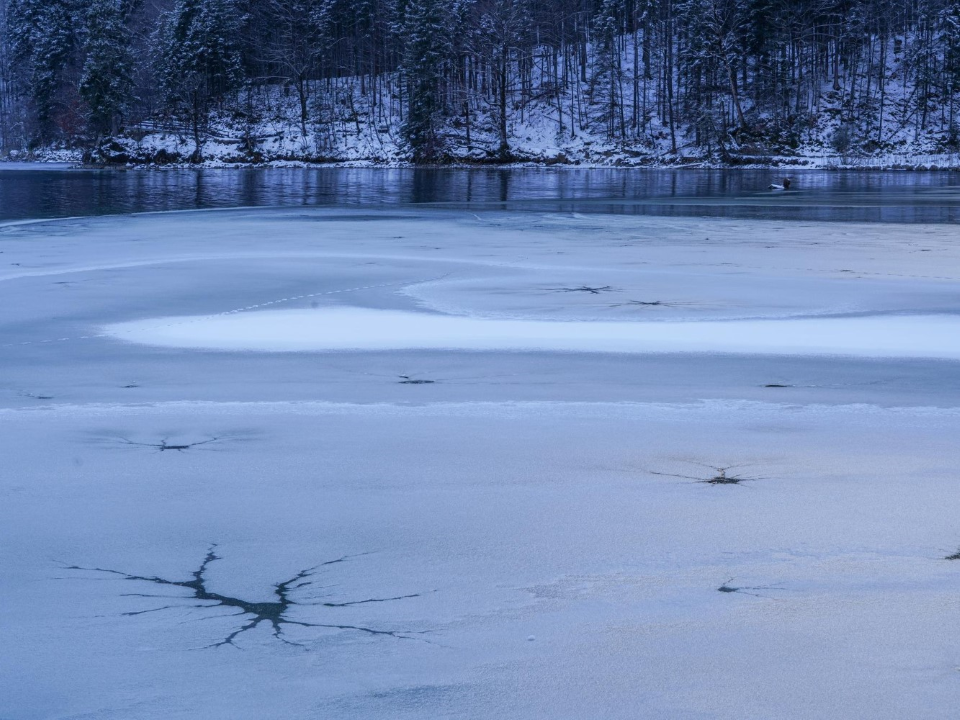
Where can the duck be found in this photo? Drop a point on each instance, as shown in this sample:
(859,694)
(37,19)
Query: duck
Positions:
(784,186)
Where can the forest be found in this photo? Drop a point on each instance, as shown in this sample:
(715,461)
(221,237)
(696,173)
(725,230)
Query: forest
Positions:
(433,81)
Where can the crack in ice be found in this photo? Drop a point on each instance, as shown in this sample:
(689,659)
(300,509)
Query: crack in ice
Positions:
(275,612)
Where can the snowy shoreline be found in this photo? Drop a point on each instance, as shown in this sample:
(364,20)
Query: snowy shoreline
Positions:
(904,163)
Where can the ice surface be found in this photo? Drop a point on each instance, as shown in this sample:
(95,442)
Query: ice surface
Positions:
(45,166)
(464,502)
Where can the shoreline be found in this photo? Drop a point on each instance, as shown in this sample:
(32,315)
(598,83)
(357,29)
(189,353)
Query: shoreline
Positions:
(359,165)
(923,164)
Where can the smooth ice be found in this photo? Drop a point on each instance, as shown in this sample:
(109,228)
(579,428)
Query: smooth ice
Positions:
(475,501)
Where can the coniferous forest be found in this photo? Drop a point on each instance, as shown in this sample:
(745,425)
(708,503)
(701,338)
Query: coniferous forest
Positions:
(618,81)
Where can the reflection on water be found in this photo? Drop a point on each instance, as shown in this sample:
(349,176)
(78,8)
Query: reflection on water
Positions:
(818,195)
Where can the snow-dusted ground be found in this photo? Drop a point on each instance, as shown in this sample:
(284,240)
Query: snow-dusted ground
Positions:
(431,532)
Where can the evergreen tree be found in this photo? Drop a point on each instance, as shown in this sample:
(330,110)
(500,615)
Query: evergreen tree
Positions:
(107,82)
(200,59)
(424,64)
(43,39)
(714,31)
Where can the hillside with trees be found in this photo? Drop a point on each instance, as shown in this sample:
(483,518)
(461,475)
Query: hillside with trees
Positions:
(427,81)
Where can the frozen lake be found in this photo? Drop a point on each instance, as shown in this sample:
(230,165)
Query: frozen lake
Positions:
(396,461)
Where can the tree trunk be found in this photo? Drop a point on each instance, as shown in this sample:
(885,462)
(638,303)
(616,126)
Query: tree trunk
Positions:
(504,149)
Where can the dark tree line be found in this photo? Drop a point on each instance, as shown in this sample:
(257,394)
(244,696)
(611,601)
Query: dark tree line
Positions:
(694,77)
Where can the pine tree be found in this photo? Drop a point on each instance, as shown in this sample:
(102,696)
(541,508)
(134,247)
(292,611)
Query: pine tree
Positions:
(714,31)
(200,59)
(107,82)
(43,40)
(424,64)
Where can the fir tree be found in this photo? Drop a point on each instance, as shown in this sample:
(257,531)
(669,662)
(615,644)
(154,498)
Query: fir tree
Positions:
(200,59)
(427,51)
(43,39)
(107,82)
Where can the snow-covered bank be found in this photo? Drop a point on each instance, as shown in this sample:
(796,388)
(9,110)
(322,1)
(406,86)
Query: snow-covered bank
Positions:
(161,151)
(423,533)
(158,153)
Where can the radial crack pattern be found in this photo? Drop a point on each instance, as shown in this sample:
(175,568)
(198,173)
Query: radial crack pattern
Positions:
(721,476)
(728,588)
(165,444)
(651,303)
(275,613)
(587,289)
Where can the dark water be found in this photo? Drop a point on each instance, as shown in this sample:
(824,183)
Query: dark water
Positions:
(903,197)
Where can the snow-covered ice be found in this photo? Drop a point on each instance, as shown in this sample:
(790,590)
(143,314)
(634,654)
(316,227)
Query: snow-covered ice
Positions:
(933,336)
(42,166)
(384,525)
